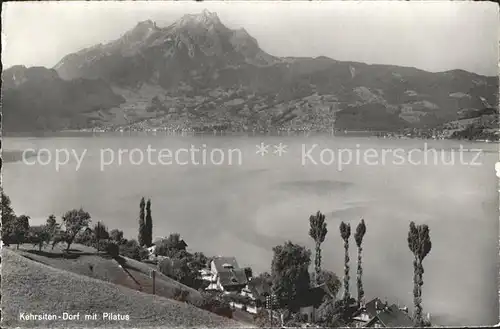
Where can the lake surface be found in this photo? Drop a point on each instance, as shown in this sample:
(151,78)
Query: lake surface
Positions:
(245,209)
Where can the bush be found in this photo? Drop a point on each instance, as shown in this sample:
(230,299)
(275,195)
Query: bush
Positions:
(213,304)
(261,319)
(85,237)
(237,298)
(116,236)
(181,295)
(248,272)
(103,245)
(113,250)
(38,236)
(166,266)
(143,253)
(130,249)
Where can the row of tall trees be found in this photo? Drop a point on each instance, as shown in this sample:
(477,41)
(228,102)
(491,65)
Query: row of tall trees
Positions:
(318,230)
(345,233)
(418,241)
(145,236)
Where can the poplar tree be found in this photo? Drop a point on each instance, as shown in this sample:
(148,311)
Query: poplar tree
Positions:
(149,225)
(142,225)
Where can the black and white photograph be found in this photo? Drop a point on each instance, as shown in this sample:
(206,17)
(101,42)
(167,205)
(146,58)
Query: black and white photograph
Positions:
(246,164)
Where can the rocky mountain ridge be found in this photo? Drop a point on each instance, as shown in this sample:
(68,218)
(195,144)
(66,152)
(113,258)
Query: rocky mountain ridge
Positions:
(199,74)
(36,98)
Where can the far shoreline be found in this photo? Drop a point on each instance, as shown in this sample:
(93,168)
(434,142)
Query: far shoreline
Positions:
(153,133)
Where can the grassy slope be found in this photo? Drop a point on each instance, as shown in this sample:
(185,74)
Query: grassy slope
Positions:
(86,262)
(29,286)
(165,286)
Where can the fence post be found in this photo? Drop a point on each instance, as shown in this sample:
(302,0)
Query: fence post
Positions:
(153,276)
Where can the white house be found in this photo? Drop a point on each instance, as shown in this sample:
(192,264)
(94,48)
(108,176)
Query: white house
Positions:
(225,275)
(152,250)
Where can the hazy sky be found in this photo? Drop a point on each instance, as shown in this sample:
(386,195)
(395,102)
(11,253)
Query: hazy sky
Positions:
(434,36)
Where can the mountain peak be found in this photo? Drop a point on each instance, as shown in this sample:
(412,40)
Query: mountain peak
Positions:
(145,23)
(141,32)
(205,18)
(209,16)
(143,26)
(207,13)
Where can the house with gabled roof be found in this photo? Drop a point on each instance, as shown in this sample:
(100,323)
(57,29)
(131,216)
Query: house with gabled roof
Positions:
(391,316)
(378,314)
(258,289)
(226,275)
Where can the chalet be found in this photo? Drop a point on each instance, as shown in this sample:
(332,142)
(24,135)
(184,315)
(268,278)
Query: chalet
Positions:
(152,251)
(257,289)
(182,245)
(378,314)
(226,275)
(206,274)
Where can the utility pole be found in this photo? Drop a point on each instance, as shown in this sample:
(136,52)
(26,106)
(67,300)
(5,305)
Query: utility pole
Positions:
(270,309)
(271,302)
(269,305)
(275,302)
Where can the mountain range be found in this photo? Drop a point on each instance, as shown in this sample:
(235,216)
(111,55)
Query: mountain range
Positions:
(199,74)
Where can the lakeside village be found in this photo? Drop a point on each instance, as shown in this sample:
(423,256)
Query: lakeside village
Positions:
(481,127)
(287,296)
(469,133)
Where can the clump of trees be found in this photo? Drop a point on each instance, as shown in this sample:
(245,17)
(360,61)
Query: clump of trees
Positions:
(39,236)
(290,273)
(15,229)
(74,221)
(100,233)
(132,249)
(116,236)
(75,227)
(180,264)
(170,246)
(113,250)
